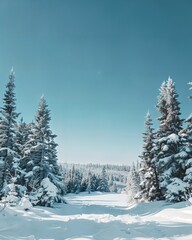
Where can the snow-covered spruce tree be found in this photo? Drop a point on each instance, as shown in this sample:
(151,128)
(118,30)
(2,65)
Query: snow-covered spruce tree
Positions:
(188,149)
(89,182)
(149,184)
(77,181)
(133,185)
(24,132)
(173,121)
(103,183)
(8,155)
(94,182)
(84,183)
(162,108)
(168,107)
(43,179)
(168,146)
(114,188)
(70,180)
(67,181)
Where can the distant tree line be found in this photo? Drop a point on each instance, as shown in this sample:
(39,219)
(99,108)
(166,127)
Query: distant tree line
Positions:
(94,177)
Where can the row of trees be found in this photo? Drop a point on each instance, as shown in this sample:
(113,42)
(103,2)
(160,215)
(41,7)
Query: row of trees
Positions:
(77,181)
(28,156)
(94,177)
(166,166)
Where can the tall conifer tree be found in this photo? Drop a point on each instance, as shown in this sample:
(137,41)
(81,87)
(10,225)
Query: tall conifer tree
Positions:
(168,144)
(8,134)
(41,154)
(149,185)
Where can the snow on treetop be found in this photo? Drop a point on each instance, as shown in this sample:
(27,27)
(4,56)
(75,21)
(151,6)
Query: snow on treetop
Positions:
(170,79)
(12,73)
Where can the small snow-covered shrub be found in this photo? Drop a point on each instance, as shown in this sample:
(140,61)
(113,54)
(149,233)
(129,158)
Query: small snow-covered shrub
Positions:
(11,198)
(25,204)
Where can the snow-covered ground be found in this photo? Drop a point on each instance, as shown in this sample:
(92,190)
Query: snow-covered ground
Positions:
(101,217)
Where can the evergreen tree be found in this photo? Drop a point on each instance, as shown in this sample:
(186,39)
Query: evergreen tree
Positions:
(84,183)
(89,182)
(103,185)
(94,182)
(168,144)
(8,136)
(133,185)
(188,149)
(113,188)
(168,106)
(174,122)
(162,108)
(77,181)
(149,185)
(26,162)
(41,154)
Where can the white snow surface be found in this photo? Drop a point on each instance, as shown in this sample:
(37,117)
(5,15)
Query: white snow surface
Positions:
(98,216)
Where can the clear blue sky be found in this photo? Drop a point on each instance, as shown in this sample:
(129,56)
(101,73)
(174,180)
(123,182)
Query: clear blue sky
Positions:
(99,64)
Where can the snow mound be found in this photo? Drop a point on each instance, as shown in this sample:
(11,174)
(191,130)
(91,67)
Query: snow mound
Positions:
(25,204)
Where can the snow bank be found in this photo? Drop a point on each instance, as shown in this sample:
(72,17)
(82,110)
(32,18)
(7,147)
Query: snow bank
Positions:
(98,217)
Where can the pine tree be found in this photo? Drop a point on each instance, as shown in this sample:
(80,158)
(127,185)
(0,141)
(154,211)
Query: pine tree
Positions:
(133,185)
(103,185)
(94,182)
(89,182)
(174,122)
(168,145)
(162,108)
(36,146)
(168,106)
(40,152)
(149,185)
(77,181)
(8,135)
(114,188)
(84,183)
(188,150)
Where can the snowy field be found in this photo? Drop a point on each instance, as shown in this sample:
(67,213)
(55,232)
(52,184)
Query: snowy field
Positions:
(101,217)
